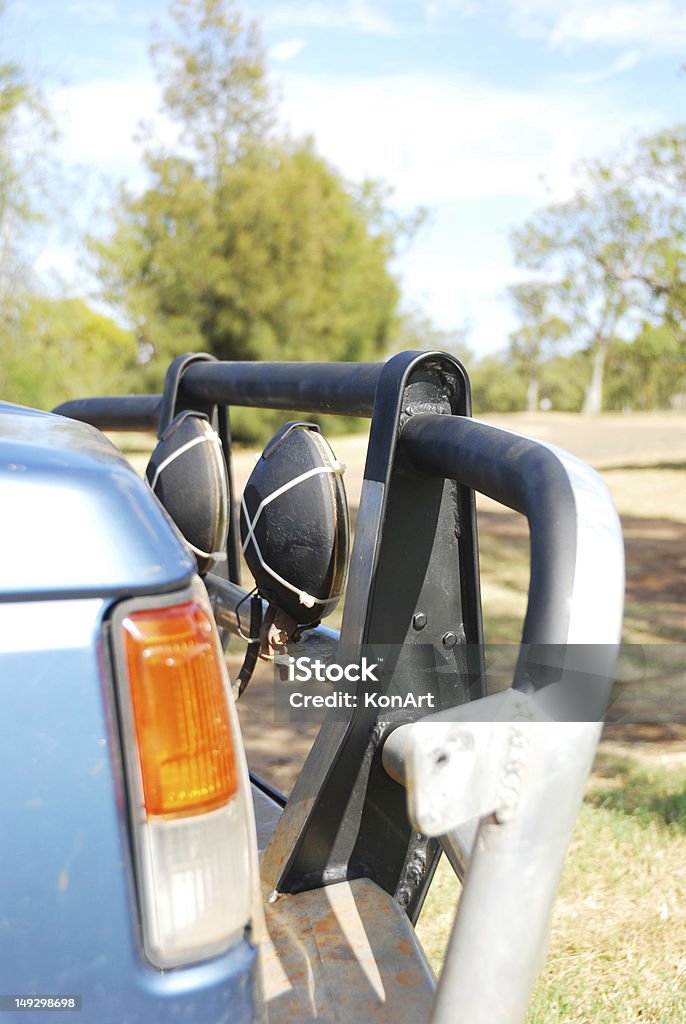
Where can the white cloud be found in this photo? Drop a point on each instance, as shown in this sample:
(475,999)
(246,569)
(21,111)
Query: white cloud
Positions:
(435,8)
(357,15)
(99,121)
(57,263)
(465,149)
(452,143)
(656,22)
(287,50)
(628,60)
(440,140)
(435,139)
(650,24)
(93,11)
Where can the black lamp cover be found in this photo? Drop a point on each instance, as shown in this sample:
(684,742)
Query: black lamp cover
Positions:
(294,524)
(188,475)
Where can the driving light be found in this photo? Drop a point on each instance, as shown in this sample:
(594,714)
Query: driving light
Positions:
(294,524)
(188,475)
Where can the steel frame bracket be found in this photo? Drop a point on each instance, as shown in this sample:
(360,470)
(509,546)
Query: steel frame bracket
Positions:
(467,762)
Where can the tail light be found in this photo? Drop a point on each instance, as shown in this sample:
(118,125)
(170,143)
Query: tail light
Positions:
(190,807)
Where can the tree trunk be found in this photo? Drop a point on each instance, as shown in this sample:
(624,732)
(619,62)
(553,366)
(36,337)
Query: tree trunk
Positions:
(532,390)
(593,400)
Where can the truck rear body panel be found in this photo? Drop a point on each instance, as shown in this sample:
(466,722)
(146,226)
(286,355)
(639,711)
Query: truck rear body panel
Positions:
(68,917)
(75,519)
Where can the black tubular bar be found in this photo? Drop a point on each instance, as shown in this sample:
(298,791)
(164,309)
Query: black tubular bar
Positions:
(126,412)
(519,473)
(525,476)
(516,471)
(344,389)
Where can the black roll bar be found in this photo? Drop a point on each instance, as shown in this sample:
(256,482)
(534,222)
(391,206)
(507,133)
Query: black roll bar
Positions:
(344,389)
(539,481)
(523,475)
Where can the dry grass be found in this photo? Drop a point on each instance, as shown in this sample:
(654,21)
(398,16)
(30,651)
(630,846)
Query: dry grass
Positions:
(650,493)
(618,939)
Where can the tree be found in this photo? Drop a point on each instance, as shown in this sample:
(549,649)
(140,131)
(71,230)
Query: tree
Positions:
(415,330)
(648,372)
(564,378)
(14,206)
(245,245)
(541,329)
(589,245)
(657,169)
(284,265)
(617,249)
(25,129)
(60,349)
(212,69)
(497,386)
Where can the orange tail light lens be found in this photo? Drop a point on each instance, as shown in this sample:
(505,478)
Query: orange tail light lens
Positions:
(180,711)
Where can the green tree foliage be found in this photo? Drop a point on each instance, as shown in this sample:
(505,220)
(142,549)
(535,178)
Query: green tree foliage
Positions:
(587,245)
(657,170)
(245,245)
(29,371)
(415,330)
(616,252)
(564,379)
(212,69)
(25,130)
(15,209)
(541,329)
(497,386)
(60,349)
(282,266)
(648,372)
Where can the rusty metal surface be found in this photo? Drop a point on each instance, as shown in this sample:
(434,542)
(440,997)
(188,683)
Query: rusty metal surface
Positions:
(267,813)
(344,954)
(302,800)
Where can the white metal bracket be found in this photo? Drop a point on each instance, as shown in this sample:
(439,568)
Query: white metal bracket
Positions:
(466,762)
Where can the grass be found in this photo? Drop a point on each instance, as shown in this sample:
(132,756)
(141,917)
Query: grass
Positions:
(650,794)
(618,939)
(651,615)
(658,622)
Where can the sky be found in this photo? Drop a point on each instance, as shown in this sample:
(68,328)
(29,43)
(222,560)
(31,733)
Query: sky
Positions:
(476,110)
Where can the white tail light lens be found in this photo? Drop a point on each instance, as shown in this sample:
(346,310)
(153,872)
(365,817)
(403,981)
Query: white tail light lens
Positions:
(198,891)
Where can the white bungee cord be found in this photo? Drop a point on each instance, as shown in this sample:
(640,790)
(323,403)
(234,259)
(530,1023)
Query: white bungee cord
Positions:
(307,600)
(210,437)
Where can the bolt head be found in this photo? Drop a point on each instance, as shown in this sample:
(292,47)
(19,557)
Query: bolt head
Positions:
(419,620)
(449,640)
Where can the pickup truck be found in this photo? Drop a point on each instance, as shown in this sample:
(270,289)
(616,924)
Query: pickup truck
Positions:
(146,875)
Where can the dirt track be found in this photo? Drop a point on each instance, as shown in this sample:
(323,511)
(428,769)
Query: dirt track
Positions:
(611,440)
